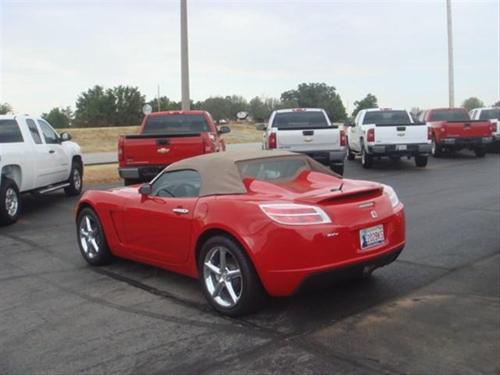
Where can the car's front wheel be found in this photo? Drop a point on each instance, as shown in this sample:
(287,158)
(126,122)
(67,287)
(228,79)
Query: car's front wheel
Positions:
(227,277)
(75,180)
(91,238)
(10,202)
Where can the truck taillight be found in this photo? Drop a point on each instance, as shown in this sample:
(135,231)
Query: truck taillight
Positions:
(370,135)
(121,157)
(493,127)
(272,141)
(343,140)
(429,133)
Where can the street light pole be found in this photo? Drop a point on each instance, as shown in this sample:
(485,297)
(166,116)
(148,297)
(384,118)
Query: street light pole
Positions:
(184,58)
(451,79)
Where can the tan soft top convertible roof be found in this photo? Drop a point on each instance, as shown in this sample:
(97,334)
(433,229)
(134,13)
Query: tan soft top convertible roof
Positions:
(220,173)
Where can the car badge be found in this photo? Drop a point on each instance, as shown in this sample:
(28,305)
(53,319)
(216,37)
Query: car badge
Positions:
(163,150)
(308,139)
(374,214)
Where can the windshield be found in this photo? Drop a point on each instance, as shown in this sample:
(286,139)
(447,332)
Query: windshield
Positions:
(175,124)
(300,120)
(273,169)
(387,118)
(490,114)
(449,116)
(9,132)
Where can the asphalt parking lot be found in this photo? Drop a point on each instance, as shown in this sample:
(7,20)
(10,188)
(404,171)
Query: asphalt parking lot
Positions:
(435,310)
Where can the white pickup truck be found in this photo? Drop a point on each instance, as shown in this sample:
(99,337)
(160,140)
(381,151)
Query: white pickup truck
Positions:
(307,131)
(380,132)
(34,158)
(492,114)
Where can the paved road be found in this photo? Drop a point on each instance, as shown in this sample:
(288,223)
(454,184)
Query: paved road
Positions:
(112,157)
(435,310)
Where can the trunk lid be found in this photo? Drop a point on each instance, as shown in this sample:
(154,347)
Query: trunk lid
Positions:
(400,134)
(324,138)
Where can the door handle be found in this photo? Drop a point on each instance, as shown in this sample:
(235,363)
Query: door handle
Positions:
(180,211)
(51,151)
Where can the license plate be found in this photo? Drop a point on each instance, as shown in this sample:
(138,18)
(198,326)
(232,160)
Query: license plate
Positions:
(400,147)
(370,237)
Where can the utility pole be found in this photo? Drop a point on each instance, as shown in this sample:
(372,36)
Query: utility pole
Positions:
(184,58)
(451,78)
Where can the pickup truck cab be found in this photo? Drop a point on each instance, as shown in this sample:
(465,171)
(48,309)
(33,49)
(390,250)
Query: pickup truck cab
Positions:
(307,131)
(378,132)
(452,130)
(493,115)
(164,138)
(34,158)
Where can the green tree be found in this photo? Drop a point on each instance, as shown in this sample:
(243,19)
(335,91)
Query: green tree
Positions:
(472,103)
(236,104)
(497,104)
(5,108)
(261,109)
(165,104)
(369,101)
(58,117)
(95,107)
(128,103)
(219,107)
(317,95)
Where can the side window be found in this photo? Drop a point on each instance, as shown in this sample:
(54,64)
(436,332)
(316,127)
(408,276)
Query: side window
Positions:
(10,132)
(177,184)
(49,134)
(34,131)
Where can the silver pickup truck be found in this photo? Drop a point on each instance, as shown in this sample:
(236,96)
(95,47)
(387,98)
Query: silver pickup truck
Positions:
(307,131)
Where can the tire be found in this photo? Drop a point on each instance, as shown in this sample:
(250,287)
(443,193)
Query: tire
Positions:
(246,288)
(75,180)
(339,169)
(130,181)
(92,239)
(480,152)
(421,161)
(366,159)
(436,150)
(350,154)
(10,202)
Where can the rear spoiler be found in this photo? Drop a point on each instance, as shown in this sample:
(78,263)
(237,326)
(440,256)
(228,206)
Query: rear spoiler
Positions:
(341,195)
(146,136)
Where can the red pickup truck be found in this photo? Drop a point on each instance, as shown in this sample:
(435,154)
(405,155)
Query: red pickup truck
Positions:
(452,130)
(164,138)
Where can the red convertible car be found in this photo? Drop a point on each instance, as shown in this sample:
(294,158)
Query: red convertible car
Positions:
(245,224)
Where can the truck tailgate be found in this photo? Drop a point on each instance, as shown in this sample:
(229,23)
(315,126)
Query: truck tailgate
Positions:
(160,150)
(400,134)
(327,138)
(468,129)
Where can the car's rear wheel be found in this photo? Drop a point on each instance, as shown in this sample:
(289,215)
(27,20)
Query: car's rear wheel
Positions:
(339,169)
(228,279)
(75,180)
(480,152)
(350,154)
(10,202)
(130,181)
(421,161)
(366,159)
(436,150)
(91,238)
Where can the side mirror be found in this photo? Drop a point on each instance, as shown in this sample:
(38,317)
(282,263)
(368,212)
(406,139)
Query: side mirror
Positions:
(224,129)
(261,127)
(145,189)
(65,137)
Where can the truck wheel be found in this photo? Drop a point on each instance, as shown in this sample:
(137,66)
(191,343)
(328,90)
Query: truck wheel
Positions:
(480,152)
(75,180)
(10,202)
(91,238)
(436,149)
(421,160)
(130,181)
(350,154)
(339,169)
(228,279)
(366,159)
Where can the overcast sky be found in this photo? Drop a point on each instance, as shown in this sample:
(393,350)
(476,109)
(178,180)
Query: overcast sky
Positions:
(51,51)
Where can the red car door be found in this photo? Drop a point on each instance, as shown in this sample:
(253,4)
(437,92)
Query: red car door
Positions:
(158,226)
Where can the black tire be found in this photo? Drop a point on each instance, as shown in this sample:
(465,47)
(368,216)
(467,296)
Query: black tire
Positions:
(350,154)
(248,288)
(75,180)
(130,181)
(10,202)
(421,161)
(436,149)
(339,169)
(366,159)
(95,256)
(480,152)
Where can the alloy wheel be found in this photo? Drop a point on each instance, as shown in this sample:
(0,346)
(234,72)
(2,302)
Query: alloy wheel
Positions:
(89,236)
(222,277)
(77,179)
(11,202)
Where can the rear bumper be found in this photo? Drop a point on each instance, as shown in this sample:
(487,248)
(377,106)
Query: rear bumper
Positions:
(145,174)
(400,149)
(326,157)
(465,142)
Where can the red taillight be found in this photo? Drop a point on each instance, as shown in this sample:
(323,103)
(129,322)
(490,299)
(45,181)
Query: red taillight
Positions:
(429,133)
(295,214)
(370,135)
(493,127)
(343,139)
(272,141)
(121,157)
